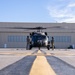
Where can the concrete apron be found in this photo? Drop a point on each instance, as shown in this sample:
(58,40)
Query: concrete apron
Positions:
(41,67)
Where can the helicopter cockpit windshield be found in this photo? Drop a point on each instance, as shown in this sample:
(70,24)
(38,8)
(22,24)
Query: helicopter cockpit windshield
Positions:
(38,37)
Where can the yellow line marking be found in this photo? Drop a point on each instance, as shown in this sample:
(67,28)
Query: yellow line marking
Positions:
(41,66)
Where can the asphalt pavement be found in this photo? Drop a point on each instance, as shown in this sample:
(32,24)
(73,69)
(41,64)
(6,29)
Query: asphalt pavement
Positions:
(24,62)
(21,67)
(60,67)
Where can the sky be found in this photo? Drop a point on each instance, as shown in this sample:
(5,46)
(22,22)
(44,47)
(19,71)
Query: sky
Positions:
(37,11)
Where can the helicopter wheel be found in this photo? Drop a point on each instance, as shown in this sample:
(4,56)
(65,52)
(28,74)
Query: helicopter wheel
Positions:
(30,47)
(39,48)
(48,47)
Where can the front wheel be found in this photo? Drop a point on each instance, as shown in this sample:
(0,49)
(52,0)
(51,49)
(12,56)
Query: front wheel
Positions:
(39,47)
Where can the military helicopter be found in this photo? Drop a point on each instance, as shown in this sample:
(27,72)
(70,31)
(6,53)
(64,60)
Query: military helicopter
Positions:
(38,38)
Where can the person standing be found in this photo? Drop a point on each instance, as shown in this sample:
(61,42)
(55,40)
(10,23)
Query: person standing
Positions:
(28,42)
(52,43)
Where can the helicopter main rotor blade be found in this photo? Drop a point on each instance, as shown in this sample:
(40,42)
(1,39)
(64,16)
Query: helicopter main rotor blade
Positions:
(34,28)
(15,28)
(54,27)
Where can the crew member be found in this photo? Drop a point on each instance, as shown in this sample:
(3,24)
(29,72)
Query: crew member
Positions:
(28,42)
(52,43)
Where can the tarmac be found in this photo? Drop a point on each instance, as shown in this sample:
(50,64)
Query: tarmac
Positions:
(37,62)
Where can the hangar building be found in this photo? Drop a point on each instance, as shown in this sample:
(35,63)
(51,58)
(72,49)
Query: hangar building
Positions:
(16,38)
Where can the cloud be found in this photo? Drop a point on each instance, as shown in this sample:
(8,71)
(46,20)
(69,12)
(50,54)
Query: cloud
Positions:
(70,20)
(62,13)
(71,5)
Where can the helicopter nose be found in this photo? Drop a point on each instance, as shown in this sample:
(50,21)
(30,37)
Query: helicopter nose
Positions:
(39,40)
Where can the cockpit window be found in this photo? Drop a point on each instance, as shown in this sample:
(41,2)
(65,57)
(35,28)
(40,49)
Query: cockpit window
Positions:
(38,37)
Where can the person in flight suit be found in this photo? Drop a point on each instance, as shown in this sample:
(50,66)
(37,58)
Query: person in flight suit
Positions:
(52,43)
(28,42)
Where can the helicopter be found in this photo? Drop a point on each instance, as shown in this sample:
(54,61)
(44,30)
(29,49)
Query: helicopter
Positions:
(39,38)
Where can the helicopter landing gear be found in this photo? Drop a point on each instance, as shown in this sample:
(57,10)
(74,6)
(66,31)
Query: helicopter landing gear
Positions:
(30,47)
(39,47)
(48,47)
